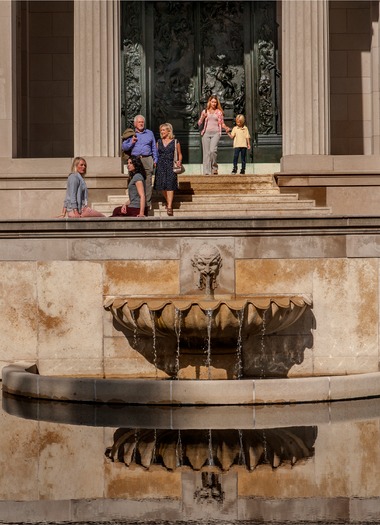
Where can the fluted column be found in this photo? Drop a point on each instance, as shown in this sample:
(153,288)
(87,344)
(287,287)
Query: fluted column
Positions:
(7,84)
(96,78)
(306,119)
(375,80)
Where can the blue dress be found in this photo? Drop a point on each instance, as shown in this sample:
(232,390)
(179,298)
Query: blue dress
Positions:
(165,178)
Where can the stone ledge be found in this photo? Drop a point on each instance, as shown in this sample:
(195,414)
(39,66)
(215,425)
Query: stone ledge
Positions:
(124,226)
(257,509)
(327,178)
(21,381)
(192,417)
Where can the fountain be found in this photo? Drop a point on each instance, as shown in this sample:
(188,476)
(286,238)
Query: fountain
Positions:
(206,325)
(179,316)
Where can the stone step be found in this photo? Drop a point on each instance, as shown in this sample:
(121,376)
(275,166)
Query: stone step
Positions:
(227,184)
(117,200)
(246,212)
(221,195)
(226,178)
(203,202)
(232,206)
(184,209)
(238,197)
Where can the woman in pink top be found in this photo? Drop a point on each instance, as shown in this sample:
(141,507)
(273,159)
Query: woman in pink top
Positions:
(212,119)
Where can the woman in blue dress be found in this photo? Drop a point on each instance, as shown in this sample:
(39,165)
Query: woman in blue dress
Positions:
(166,179)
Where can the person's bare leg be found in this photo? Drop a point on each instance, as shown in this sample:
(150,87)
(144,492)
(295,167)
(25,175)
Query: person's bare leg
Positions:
(165,195)
(169,198)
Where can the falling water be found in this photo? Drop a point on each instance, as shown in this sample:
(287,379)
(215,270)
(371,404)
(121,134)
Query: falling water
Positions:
(210,453)
(177,328)
(241,451)
(209,292)
(265,447)
(135,340)
(262,345)
(134,453)
(208,348)
(179,451)
(154,447)
(239,361)
(153,319)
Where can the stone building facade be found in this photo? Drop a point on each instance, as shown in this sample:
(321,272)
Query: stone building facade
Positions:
(60,96)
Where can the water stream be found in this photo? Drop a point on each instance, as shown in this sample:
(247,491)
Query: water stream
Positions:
(177,329)
(154,341)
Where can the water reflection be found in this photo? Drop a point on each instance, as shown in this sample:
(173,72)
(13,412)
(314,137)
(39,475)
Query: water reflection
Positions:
(221,449)
(69,462)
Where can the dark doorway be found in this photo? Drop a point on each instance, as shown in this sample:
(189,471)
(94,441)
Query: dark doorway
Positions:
(176,54)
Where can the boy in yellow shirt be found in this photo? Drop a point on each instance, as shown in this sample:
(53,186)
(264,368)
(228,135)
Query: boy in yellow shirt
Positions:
(242,142)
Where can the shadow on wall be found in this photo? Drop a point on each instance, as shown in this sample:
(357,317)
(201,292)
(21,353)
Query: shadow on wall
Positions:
(239,357)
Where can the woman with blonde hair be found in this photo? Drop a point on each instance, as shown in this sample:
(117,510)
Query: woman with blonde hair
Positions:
(75,205)
(212,120)
(166,179)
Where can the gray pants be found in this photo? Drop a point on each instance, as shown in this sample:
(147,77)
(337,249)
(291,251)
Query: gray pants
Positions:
(210,151)
(148,164)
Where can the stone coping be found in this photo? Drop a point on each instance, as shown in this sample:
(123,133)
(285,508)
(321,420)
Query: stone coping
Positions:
(22,381)
(130,226)
(247,510)
(192,417)
(327,178)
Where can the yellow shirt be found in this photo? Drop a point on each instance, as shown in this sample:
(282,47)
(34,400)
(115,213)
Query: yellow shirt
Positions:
(240,136)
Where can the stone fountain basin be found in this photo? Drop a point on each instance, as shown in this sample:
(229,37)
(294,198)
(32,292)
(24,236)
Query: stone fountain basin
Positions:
(218,319)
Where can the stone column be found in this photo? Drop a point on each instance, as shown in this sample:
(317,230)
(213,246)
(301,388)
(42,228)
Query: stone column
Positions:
(375,80)
(305,82)
(96,78)
(7,84)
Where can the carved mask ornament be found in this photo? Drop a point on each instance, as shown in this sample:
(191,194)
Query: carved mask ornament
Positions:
(206,263)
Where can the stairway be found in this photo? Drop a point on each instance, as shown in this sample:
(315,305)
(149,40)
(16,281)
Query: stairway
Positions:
(226,195)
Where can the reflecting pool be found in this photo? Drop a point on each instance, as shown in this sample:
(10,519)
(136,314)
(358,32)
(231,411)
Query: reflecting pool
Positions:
(82,463)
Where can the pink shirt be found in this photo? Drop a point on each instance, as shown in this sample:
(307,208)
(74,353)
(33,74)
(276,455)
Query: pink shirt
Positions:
(219,115)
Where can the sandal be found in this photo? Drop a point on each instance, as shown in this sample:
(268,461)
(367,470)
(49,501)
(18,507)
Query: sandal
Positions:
(169,211)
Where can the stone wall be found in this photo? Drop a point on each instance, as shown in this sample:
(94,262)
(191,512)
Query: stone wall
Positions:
(45,76)
(56,275)
(351,82)
(34,189)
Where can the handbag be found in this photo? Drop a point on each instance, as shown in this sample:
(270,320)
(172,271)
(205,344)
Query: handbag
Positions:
(177,169)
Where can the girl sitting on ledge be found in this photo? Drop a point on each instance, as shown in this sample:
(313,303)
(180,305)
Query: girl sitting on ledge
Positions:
(136,207)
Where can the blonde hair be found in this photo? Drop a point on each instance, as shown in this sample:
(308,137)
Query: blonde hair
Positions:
(217,103)
(168,126)
(75,163)
(241,118)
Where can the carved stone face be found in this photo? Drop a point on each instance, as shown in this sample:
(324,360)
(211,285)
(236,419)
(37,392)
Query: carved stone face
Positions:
(207,263)
(208,266)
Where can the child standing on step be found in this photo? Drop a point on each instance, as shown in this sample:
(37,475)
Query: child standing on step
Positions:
(242,142)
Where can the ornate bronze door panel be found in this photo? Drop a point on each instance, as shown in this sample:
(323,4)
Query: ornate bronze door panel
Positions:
(175,54)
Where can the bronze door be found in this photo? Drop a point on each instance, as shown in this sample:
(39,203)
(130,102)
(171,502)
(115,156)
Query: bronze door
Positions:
(175,54)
